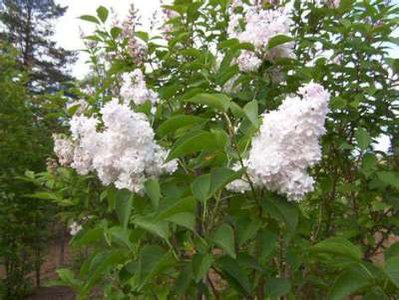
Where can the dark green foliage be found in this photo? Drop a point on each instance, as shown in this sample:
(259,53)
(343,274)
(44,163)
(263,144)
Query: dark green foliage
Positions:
(25,143)
(28,26)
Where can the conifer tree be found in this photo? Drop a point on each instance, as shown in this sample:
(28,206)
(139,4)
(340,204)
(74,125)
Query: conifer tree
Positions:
(29,26)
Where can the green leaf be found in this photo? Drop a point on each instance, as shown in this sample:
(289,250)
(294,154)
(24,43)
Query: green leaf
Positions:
(195,142)
(142,35)
(246,46)
(251,111)
(89,237)
(281,209)
(187,204)
(373,293)
(89,18)
(235,274)
(220,102)
(179,121)
(101,264)
(73,109)
(348,283)
(110,195)
(277,287)
(268,242)
(201,187)
(153,191)
(391,268)
(201,265)
(153,261)
(93,38)
(224,238)
(247,229)
(115,32)
(249,262)
(392,251)
(179,38)
(236,110)
(123,206)
(181,212)
(278,40)
(45,196)
(205,186)
(120,235)
(389,178)
(185,219)
(346,5)
(102,13)
(362,138)
(338,103)
(68,278)
(394,63)
(369,164)
(157,227)
(183,280)
(220,177)
(338,246)
(191,52)
(229,43)
(30,174)
(227,73)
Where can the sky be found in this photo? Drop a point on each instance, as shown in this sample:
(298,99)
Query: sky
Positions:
(67,32)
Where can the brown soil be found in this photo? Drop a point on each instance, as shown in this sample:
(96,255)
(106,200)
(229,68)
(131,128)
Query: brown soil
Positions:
(48,272)
(52,262)
(52,293)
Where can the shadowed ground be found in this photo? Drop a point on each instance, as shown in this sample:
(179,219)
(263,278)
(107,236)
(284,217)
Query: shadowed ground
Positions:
(52,293)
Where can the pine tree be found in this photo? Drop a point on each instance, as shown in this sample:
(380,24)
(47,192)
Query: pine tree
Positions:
(29,26)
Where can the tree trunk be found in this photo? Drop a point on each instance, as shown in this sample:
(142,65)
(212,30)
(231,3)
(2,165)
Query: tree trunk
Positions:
(62,246)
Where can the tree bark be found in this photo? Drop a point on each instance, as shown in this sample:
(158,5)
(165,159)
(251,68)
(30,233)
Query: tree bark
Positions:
(62,246)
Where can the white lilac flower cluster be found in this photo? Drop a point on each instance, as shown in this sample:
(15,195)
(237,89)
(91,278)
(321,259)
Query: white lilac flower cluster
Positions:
(257,26)
(288,144)
(334,3)
(77,226)
(330,3)
(134,89)
(136,49)
(74,228)
(167,16)
(124,152)
(63,148)
(248,61)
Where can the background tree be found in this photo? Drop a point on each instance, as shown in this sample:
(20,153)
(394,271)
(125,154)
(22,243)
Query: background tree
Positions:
(29,26)
(24,144)
(34,75)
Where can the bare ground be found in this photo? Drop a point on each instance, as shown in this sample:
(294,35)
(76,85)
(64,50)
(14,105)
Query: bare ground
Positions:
(51,263)
(52,293)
